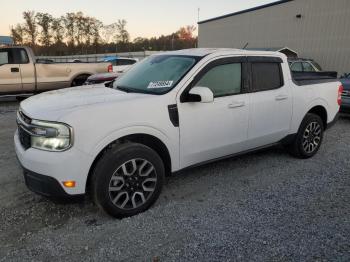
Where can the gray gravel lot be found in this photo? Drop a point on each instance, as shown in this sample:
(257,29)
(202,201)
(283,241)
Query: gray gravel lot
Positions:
(265,206)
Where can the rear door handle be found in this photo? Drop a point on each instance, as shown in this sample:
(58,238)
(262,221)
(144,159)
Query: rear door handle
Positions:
(281,97)
(14,69)
(236,104)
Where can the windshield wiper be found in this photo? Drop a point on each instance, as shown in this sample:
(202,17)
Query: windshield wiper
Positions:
(134,90)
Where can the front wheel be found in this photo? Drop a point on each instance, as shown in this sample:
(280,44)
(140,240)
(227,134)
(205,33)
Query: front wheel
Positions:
(309,137)
(127,179)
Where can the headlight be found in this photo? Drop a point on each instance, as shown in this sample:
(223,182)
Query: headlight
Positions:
(50,136)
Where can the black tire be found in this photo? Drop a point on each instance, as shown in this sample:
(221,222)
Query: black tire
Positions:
(111,165)
(301,147)
(79,80)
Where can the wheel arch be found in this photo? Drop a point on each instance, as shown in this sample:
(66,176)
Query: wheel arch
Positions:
(321,111)
(142,138)
(80,74)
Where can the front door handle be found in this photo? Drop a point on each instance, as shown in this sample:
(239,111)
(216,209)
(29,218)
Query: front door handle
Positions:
(14,69)
(236,104)
(281,97)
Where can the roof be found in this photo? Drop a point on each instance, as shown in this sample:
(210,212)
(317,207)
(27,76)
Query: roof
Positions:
(201,52)
(245,11)
(6,40)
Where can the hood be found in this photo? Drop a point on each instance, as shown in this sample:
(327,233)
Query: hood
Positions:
(54,104)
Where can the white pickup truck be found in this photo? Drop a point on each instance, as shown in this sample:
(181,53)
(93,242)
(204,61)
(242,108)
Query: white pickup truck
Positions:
(169,112)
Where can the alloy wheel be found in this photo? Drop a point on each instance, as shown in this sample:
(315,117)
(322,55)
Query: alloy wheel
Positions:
(312,137)
(132,184)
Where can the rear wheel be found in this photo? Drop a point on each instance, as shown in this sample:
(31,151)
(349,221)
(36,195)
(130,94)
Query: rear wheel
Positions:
(309,137)
(127,179)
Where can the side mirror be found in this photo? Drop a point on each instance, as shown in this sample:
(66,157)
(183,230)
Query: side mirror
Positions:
(204,94)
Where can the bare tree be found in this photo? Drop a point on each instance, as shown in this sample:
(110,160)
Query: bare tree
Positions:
(30,26)
(44,20)
(96,26)
(80,27)
(123,35)
(17,34)
(109,32)
(69,23)
(57,30)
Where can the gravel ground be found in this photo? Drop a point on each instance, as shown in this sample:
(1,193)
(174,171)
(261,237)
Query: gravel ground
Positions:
(265,206)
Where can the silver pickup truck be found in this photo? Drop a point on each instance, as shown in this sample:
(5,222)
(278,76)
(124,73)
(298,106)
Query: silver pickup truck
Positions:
(22,74)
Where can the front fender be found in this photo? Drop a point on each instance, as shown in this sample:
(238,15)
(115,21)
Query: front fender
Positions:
(171,144)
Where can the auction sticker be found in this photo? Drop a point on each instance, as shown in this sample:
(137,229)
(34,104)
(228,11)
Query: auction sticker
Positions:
(160,84)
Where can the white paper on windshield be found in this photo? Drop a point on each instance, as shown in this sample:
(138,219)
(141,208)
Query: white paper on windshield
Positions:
(160,84)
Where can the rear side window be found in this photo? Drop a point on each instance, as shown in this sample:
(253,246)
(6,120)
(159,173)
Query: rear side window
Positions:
(223,80)
(266,76)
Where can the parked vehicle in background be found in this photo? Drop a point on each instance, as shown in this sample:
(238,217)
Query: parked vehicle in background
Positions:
(75,61)
(22,74)
(303,68)
(120,64)
(102,78)
(345,105)
(304,65)
(169,112)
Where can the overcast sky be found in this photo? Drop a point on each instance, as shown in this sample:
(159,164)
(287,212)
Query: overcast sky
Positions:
(145,18)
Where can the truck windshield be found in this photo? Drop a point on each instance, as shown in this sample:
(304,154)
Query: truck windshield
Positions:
(156,74)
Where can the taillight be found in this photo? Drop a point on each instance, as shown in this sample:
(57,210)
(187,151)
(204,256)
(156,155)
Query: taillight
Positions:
(340,91)
(110,69)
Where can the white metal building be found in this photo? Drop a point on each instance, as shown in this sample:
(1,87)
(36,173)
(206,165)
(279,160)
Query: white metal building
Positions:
(317,29)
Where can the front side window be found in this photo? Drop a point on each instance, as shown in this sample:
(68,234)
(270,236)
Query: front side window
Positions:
(223,80)
(4,57)
(266,76)
(308,67)
(156,74)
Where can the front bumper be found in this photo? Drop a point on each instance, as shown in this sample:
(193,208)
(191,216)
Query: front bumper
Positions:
(44,185)
(46,171)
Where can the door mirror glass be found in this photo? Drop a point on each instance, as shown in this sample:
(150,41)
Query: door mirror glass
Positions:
(201,94)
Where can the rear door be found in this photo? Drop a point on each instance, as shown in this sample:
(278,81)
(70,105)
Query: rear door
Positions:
(271,102)
(10,76)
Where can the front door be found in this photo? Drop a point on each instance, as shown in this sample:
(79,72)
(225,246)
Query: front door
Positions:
(10,75)
(217,129)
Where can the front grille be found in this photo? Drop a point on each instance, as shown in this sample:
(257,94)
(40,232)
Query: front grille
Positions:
(24,136)
(346,93)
